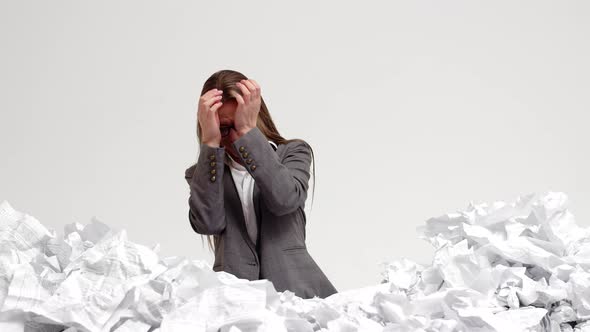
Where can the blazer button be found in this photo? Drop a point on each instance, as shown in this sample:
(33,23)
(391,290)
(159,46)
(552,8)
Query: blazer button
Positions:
(212,157)
(242,149)
(212,164)
(213,171)
(249,161)
(213,178)
(253,167)
(245,154)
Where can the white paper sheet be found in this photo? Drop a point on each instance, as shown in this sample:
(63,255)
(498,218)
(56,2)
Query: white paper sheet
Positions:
(516,266)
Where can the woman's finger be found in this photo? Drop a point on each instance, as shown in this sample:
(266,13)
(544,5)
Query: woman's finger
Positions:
(208,95)
(251,88)
(212,116)
(211,93)
(208,103)
(205,106)
(216,117)
(236,95)
(215,107)
(245,91)
(208,98)
(257,86)
(212,101)
(210,111)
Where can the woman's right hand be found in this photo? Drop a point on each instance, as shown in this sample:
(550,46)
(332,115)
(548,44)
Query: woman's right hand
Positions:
(208,117)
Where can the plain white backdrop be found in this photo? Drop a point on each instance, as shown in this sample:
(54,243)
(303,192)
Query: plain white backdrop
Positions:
(413,108)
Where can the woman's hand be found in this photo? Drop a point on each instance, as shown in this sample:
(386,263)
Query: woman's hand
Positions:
(208,117)
(248,106)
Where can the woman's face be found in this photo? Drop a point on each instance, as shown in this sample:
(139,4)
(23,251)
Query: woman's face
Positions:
(226,118)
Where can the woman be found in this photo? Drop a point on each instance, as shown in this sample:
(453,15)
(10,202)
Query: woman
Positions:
(248,189)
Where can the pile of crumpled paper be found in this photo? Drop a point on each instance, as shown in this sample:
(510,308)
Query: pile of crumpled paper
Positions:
(520,266)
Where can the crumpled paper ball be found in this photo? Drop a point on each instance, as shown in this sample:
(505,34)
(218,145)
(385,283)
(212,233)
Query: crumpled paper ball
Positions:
(518,266)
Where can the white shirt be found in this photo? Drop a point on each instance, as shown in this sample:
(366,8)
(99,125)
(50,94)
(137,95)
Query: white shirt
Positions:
(245,186)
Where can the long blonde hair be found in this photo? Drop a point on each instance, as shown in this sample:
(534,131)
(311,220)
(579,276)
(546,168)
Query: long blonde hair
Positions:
(225,80)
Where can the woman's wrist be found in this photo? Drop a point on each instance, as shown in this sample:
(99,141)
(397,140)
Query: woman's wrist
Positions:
(243,132)
(212,144)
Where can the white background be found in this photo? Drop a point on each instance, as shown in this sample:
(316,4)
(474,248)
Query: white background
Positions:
(413,109)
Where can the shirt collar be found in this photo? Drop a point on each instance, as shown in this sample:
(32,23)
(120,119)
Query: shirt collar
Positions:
(234,164)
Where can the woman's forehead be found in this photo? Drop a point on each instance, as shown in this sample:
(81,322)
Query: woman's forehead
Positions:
(226,119)
(226,113)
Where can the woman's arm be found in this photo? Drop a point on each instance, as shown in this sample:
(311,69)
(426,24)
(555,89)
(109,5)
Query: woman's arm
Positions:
(283,184)
(206,209)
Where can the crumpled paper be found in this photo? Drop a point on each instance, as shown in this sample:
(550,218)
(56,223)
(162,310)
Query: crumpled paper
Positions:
(518,266)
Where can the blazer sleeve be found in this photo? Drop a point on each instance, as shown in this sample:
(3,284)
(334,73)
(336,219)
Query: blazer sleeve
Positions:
(206,207)
(283,183)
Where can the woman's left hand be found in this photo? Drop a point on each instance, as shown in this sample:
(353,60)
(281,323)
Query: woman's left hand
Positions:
(248,106)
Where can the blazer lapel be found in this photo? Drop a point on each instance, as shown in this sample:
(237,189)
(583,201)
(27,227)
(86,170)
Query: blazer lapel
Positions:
(256,198)
(256,202)
(235,211)
(235,206)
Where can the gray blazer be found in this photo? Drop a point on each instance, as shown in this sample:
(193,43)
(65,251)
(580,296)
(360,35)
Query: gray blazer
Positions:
(280,190)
